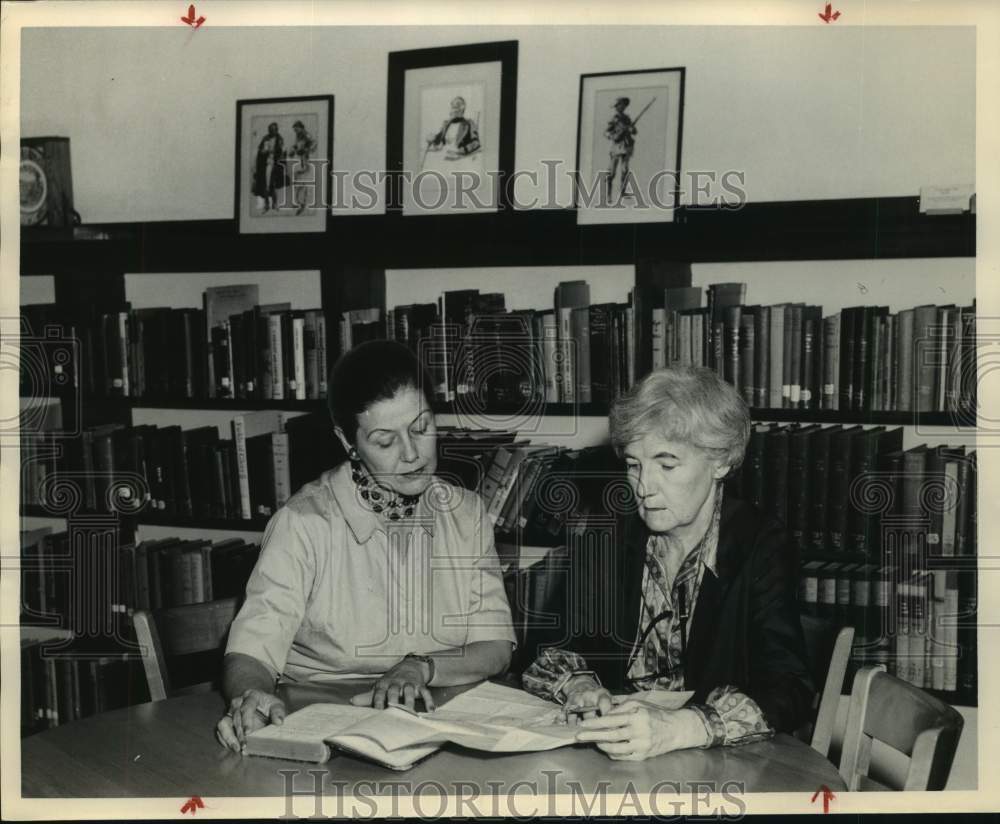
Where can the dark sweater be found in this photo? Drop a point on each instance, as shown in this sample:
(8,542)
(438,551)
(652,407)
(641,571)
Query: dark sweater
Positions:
(744,630)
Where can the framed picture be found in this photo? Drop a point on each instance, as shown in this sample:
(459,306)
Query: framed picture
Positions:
(628,150)
(450,143)
(284,153)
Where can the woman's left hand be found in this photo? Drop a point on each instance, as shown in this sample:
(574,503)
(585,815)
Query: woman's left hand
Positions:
(403,684)
(632,733)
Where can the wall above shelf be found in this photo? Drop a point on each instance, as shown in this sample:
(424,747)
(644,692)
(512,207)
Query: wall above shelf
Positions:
(860,228)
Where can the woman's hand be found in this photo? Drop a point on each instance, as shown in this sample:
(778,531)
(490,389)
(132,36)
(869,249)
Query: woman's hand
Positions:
(248,712)
(632,733)
(585,698)
(403,684)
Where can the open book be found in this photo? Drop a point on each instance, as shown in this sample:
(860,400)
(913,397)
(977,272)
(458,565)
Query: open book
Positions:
(488,717)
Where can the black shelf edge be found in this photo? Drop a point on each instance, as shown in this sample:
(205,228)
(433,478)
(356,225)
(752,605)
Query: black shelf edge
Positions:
(836,229)
(953,419)
(518,411)
(157,519)
(226,404)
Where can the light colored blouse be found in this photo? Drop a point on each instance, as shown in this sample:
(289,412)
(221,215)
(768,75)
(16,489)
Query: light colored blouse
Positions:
(337,592)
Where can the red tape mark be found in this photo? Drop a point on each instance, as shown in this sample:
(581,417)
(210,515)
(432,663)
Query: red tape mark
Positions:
(193,804)
(828,796)
(196,22)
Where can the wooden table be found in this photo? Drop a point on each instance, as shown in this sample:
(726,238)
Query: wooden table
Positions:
(168,749)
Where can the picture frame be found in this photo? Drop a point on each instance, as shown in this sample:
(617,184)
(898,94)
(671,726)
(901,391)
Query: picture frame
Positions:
(628,174)
(284,155)
(451,129)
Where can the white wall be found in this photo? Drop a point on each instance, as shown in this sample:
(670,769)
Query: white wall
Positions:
(807,113)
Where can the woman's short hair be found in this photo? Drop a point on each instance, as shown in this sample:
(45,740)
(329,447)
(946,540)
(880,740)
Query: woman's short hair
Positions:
(372,371)
(690,404)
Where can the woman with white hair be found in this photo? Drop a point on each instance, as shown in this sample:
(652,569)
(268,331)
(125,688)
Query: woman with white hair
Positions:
(695,590)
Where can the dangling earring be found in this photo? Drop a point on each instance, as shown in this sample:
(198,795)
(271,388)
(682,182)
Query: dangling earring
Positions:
(353,454)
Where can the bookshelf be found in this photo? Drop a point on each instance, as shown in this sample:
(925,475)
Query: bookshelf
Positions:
(357,263)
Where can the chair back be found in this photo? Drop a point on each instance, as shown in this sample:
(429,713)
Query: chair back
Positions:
(905,718)
(182,630)
(828,648)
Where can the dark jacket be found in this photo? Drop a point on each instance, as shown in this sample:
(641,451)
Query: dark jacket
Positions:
(744,630)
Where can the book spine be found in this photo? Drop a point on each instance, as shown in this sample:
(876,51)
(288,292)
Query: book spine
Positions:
(277,357)
(322,362)
(550,358)
(904,373)
(831,362)
(198,593)
(776,381)
(806,398)
(809,588)
(949,629)
(827,592)
(567,350)
(282,472)
(762,360)
(311,359)
(795,359)
(299,351)
(242,465)
(580,325)
(861,616)
(657,332)
(747,356)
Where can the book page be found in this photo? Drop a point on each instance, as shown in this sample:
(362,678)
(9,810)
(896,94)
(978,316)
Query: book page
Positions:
(313,724)
(490,703)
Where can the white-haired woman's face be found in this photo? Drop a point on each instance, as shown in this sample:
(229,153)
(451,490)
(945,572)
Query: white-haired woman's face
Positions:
(672,481)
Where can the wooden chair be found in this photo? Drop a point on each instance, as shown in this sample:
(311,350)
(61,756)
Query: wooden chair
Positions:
(907,719)
(829,649)
(184,630)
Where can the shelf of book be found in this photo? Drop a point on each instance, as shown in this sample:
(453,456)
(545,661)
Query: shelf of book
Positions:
(362,248)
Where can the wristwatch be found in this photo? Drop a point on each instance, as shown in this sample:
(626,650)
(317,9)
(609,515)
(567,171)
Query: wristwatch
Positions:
(424,659)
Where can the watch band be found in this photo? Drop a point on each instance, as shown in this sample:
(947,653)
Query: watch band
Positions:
(425,659)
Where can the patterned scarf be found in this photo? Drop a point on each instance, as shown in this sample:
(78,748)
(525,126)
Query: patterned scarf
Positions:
(658,664)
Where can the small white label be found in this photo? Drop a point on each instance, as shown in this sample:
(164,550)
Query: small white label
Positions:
(946,200)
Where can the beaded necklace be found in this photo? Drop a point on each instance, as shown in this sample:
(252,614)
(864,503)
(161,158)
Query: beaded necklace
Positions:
(392,509)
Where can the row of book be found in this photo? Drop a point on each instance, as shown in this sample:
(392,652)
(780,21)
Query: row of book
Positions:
(233,347)
(790,355)
(57,690)
(171,572)
(477,350)
(918,623)
(66,582)
(190,472)
(841,489)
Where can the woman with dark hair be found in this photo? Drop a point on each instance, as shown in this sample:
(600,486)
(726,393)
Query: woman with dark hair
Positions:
(376,569)
(696,593)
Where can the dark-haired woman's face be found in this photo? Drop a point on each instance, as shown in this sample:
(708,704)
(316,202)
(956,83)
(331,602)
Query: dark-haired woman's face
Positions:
(397,441)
